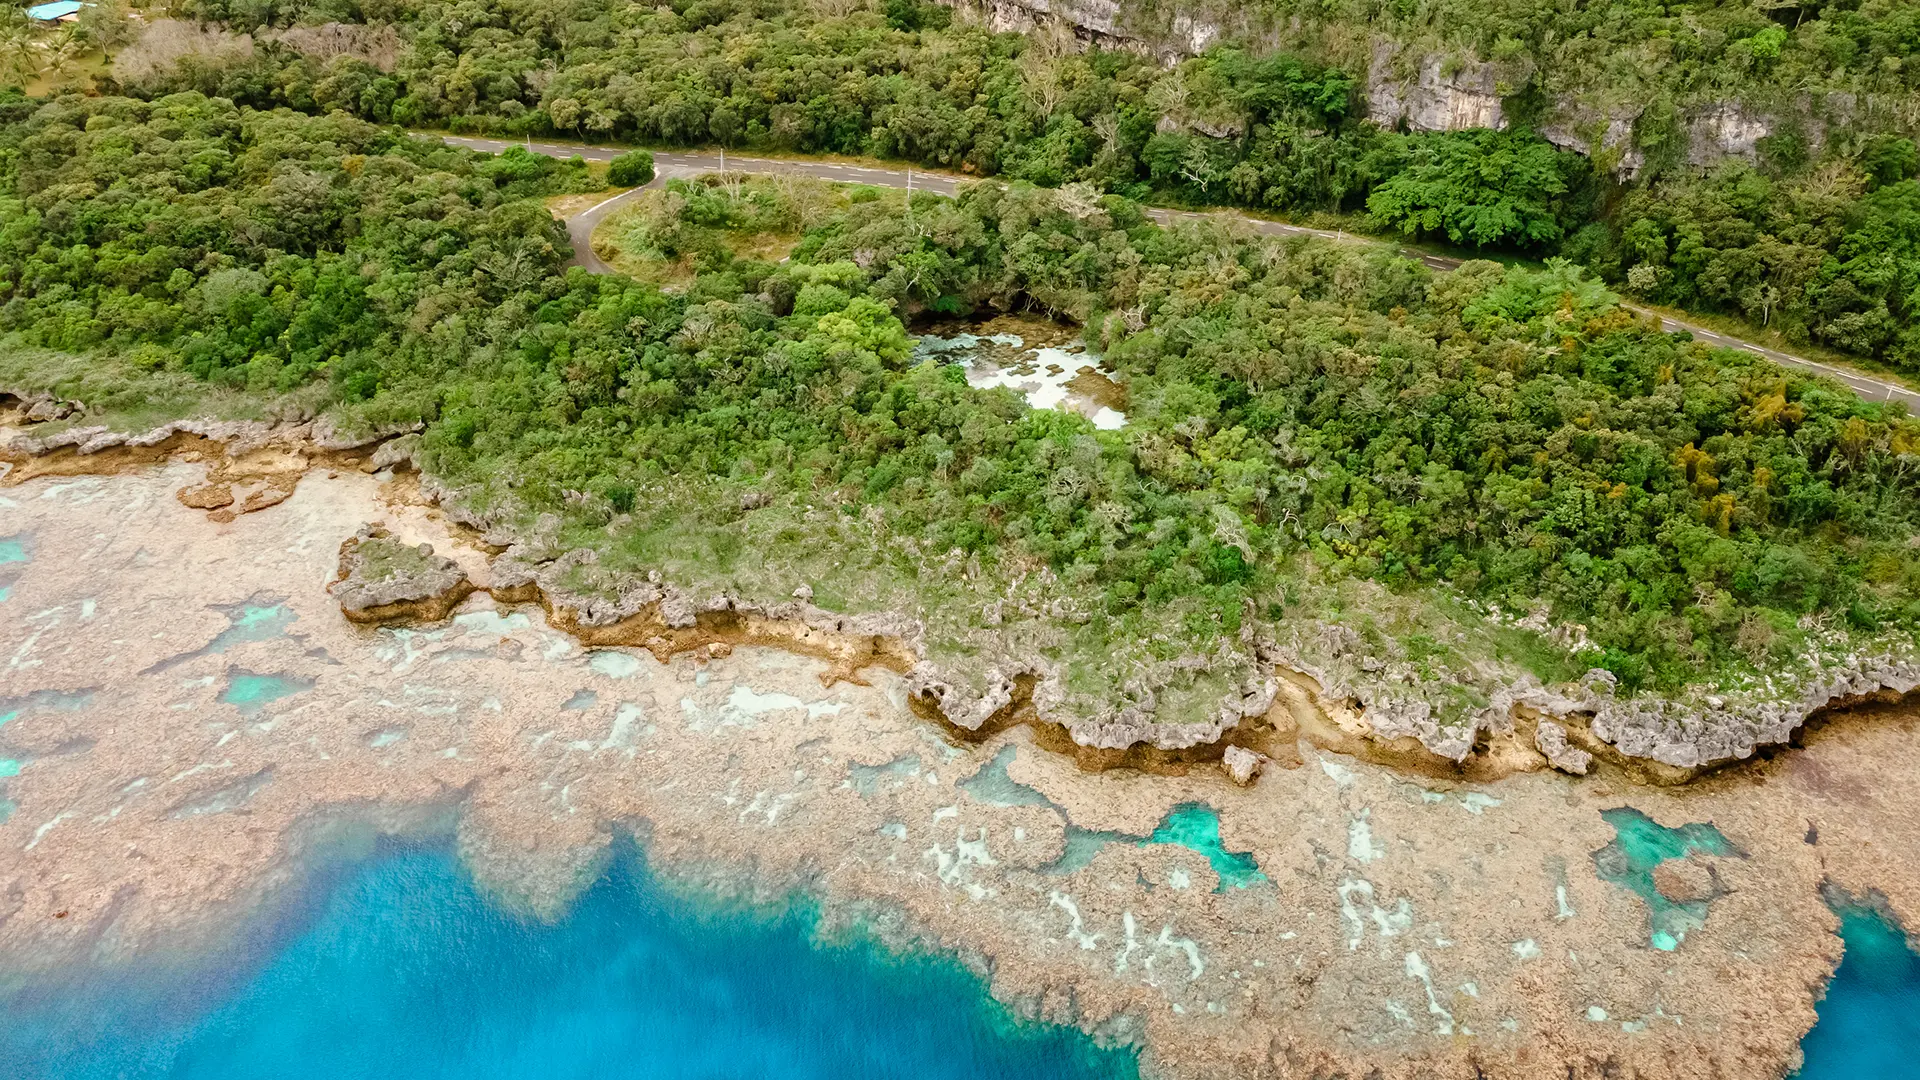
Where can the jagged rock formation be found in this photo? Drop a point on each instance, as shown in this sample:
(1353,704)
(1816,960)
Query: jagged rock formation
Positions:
(384,580)
(1667,739)
(605,608)
(1132,736)
(1551,740)
(1434,95)
(1697,733)
(397,452)
(1241,765)
(207,496)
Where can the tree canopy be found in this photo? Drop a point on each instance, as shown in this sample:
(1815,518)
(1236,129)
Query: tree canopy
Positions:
(1816,238)
(1299,413)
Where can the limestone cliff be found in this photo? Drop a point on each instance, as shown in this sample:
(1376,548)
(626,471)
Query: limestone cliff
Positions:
(1423,89)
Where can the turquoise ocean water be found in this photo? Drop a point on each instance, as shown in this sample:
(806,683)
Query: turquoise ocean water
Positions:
(396,966)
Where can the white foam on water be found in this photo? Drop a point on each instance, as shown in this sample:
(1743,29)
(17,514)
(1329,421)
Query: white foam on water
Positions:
(1043,382)
(1042,376)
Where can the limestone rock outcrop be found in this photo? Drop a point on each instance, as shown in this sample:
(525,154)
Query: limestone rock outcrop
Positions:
(1685,881)
(1436,91)
(1551,740)
(1693,733)
(385,580)
(1434,95)
(608,607)
(1241,765)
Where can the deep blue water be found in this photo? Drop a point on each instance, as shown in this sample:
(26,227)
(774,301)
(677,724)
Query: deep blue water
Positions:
(397,967)
(1869,1025)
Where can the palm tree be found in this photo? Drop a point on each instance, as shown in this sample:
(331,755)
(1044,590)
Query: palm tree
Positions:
(68,44)
(19,49)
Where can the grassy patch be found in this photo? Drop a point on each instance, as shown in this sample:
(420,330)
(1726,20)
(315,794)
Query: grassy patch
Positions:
(126,394)
(384,558)
(668,236)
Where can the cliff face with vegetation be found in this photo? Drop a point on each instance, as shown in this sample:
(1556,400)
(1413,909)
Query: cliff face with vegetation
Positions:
(1704,84)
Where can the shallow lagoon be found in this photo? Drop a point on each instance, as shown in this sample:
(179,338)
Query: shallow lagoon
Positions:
(398,966)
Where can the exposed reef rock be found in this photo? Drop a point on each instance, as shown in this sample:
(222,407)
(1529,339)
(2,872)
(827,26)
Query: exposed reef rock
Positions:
(1002,694)
(205,496)
(1711,729)
(1685,881)
(1133,736)
(238,436)
(1551,740)
(1241,765)
(384,580)
(251,464)
(37,406)
(1659,739)
(602,608)
(397,452)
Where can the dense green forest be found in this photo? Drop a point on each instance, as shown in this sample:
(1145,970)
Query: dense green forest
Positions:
(1300,413)
(1819,242)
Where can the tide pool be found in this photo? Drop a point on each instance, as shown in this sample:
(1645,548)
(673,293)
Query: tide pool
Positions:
(1869,1025)
(1194,826)
(260,619)
(251,693)
(1640,844)
(13,549)
(399,967)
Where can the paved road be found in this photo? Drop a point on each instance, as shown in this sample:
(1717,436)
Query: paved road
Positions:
(580,231)
(581,225)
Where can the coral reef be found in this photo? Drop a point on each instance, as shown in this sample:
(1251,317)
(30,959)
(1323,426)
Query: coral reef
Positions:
(1393,925)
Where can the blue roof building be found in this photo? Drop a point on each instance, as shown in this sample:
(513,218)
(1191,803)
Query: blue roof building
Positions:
(59,11)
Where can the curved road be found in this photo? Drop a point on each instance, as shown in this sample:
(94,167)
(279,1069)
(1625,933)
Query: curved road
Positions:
(581,225)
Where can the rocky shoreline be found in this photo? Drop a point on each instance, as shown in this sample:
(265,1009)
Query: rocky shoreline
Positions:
(190,698)
(1360,698)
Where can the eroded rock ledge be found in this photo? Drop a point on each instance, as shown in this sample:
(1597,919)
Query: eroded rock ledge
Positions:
(384,580)
(602,608)
(1320,685)
(251,464)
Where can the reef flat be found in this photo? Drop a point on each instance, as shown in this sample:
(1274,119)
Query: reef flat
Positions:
(182,700)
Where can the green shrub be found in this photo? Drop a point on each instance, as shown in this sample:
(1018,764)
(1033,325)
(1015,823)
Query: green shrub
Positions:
(631,169)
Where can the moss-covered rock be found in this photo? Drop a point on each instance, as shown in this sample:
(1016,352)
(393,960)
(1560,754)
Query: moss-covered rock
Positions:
(383,580)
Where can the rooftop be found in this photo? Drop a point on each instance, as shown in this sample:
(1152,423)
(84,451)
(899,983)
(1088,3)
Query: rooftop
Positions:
(54,11)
